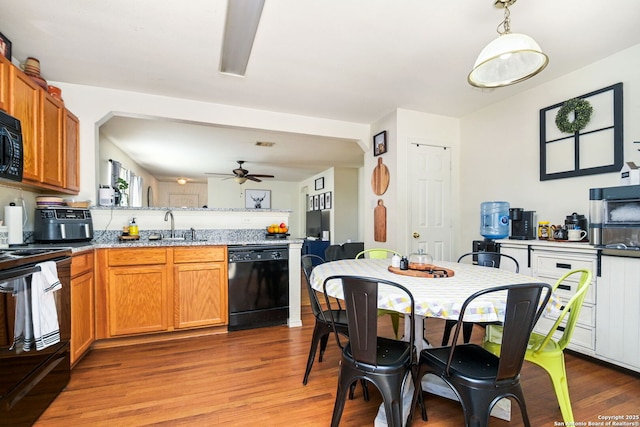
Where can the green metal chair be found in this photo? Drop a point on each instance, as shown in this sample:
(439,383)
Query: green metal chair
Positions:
(382,253)
(544,350)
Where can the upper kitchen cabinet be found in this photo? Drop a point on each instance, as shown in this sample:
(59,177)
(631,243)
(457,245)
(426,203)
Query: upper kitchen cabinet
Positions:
(24,99)
(49,134)
(71,137)
(4,83)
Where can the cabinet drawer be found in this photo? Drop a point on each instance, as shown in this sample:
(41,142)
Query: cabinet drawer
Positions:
(137,256)
(557,264)
(586,318)
(183,255)
(569,287)
(583,336)
(81,263)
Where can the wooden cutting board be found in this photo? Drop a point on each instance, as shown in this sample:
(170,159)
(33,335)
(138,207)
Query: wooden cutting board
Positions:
(380,222)
(380,178)
(437,272)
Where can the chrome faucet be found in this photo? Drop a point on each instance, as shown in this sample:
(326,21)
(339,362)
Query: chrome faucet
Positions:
(166,218)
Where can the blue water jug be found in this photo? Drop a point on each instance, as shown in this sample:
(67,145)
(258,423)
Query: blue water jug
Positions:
(494,220)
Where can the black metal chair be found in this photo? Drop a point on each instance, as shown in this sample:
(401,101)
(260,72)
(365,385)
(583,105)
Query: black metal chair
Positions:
(385,362)
(477,377)
(323,326)
(484,259)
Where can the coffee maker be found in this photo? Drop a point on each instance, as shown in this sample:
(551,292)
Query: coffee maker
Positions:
(523,224)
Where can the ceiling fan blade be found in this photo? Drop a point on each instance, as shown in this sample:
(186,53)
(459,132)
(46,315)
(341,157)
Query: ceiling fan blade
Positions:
(219,174)
(253,178)
(261,175)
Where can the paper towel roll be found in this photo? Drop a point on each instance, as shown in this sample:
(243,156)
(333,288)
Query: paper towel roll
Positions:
(13,220)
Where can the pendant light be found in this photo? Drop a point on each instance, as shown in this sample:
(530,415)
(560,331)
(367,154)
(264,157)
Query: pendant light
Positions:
(509,59)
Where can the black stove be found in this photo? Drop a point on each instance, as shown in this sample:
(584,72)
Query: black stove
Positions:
(21,256)
(30,379)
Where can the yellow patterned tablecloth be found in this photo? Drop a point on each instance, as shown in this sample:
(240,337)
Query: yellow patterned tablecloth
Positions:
(439,297)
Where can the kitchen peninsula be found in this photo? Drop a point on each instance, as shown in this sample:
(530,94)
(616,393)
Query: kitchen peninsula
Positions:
(173,273)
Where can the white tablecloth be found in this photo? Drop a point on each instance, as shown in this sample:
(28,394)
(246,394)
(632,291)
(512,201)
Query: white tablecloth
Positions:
(437,297)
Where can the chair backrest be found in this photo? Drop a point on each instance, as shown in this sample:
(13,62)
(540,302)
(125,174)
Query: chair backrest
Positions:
(523,308)
(309,262)
(361,304)
(377,253)
(490,259)
(571,310)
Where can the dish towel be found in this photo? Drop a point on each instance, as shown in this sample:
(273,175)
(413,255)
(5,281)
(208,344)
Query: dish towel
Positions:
(46,329)
(23,326)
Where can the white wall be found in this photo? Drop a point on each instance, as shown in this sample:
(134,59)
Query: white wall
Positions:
(500,147)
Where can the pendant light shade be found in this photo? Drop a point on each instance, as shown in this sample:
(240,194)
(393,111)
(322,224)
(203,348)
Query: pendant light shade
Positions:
(509,59)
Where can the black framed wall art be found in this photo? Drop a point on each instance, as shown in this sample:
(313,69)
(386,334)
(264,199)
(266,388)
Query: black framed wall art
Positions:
(582,135)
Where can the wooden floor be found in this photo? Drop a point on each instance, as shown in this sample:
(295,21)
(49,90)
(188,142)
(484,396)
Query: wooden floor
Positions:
(254,378)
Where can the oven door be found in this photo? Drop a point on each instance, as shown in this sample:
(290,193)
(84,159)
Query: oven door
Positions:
(31,380)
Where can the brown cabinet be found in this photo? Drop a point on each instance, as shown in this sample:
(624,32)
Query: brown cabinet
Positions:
(23,105)
(49,134)
(52,144)
(200,282)
(71,137)
(147,290)
(82,304)
(4,83)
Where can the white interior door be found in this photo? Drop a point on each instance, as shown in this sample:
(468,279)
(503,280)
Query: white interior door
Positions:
(430,180)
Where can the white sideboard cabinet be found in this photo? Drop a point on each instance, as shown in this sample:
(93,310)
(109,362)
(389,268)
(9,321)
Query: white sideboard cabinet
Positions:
(607,328)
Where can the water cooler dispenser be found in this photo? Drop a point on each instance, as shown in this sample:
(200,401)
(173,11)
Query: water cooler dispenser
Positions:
(494,224)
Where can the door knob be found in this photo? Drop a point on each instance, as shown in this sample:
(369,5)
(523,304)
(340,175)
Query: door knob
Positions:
(416,235)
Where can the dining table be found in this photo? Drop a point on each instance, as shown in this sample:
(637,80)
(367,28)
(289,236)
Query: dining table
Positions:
(439,297)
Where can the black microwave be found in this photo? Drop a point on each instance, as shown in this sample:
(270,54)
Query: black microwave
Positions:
(11,149)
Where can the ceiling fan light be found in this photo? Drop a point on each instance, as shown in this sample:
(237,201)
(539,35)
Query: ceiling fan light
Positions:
(241,25)
(182,181)
(509,59)
(240,179)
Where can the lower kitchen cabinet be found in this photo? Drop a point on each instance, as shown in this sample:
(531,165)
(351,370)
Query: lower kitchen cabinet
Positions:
(618,315)
(148,290)
(607,328)
(200,282)
(82,304)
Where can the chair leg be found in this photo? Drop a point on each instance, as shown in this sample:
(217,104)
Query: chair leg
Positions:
(392,407)
(395,322)
(557,372)
(323,346)
(418,395)
(344,384)
(467,329)
(319,331)
(448,326)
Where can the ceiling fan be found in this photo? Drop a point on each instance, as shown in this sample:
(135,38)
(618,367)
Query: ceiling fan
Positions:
(241,175)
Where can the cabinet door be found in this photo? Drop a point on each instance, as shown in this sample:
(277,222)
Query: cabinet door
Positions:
(200,294)
(137,300)
(71,140)
(521,254)
(52,113)
(4,83)
(82,315)
(617,316)
(24,101)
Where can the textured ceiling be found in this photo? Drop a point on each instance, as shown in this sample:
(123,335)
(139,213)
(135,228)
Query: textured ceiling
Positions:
(354,60)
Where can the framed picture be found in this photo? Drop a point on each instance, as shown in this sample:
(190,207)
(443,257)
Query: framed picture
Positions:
(316,203)
(5,47)
(380,143)
(309,203)
(321,201)
(257,199)
(327,200)
(320,183)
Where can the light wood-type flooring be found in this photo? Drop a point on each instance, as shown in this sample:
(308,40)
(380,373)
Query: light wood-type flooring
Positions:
(254,378)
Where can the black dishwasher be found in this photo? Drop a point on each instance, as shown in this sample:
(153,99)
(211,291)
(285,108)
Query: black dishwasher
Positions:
(258,286)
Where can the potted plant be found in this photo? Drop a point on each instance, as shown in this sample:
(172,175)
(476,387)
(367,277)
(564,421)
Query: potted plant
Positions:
(121,196)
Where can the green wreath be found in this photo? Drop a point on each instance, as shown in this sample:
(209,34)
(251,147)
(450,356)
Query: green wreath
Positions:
(582,115)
